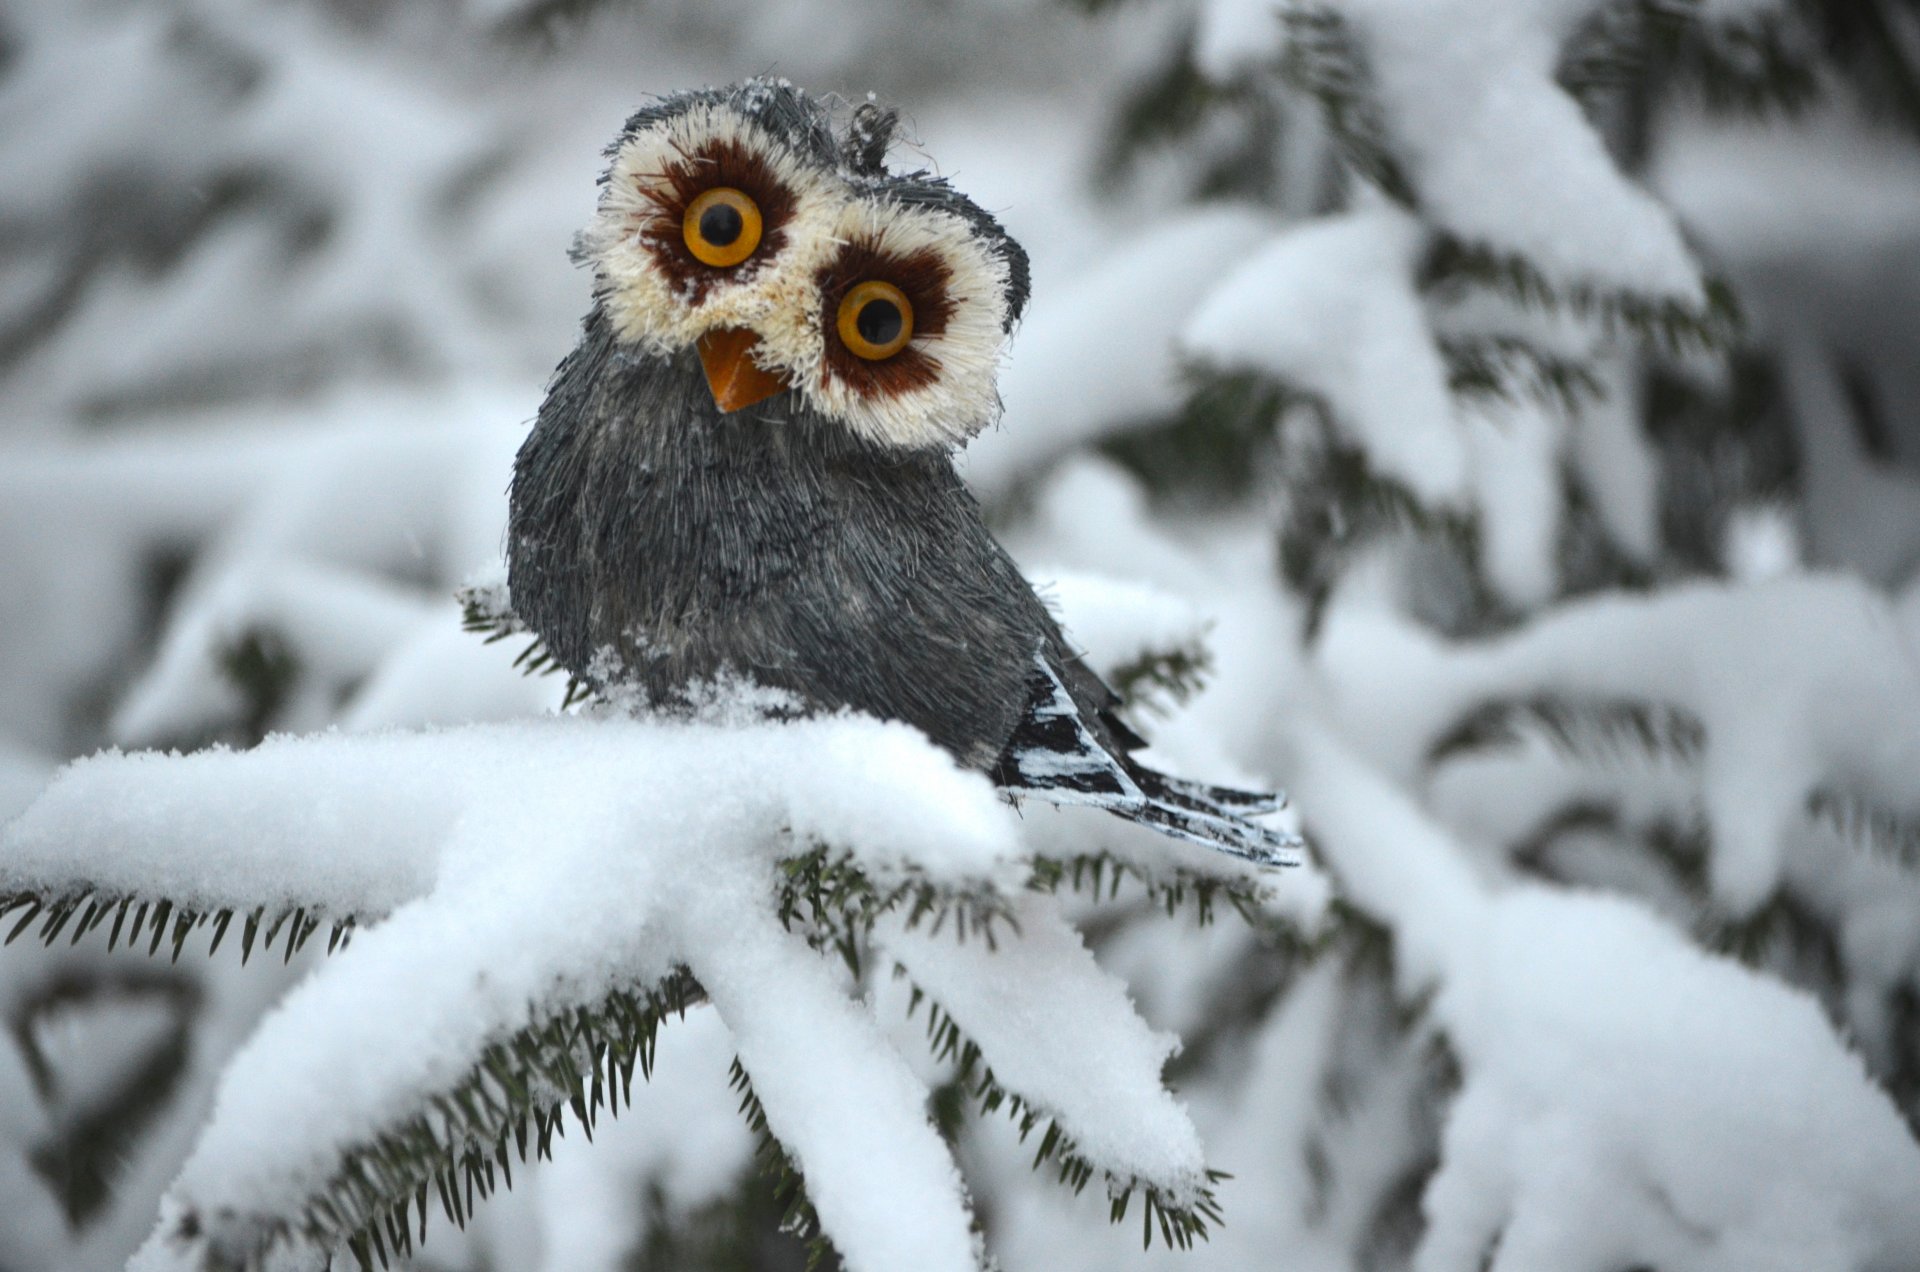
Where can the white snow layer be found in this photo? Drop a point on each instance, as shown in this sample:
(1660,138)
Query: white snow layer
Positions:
(1118,622)
(1056,1028)
(529,867)
(1098,355)
(1801,681)
(1628,1099)
(1236,36)
(1769,190)
(1501,155)
(1331,308)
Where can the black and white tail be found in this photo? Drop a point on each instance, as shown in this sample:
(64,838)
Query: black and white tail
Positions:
(1054,756)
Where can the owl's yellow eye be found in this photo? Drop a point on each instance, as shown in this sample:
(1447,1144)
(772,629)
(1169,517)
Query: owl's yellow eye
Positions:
(721,227)
(875,320)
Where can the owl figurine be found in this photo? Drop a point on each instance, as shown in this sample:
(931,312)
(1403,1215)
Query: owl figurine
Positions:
(745,467)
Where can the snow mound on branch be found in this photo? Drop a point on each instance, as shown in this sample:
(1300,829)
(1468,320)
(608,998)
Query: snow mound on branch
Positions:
(548,863)
(1766,191)
(1098,355)
(1056,1028)
(356,825)
(506,875)
(1118,622)
(682,1136)
(1234,37)
(1801,682)
(1501,155)
(1627,1099)
(1330,308)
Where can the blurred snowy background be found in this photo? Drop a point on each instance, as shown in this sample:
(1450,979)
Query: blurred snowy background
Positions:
(1393,345)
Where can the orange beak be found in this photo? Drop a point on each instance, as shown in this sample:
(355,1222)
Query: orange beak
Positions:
(734,377)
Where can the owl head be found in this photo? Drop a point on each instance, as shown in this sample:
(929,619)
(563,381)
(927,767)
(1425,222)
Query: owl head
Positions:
(740,223)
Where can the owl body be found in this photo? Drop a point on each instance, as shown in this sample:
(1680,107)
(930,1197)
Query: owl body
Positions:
(774,546)
(745,467)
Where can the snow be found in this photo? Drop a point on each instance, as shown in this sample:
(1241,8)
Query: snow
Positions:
(1768,191)
(326,507)
(1515,448)
(1118,622)
(1801,681)
(1628,1099)
(378,307)
(656,845)
(1501,155)
(1330,307)
(845,1105)
(1236,36)
(1095,355)
(1057,1029)
(682,1135)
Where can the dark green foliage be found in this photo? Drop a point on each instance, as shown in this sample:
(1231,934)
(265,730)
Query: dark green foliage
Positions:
(1602,732)
(1721,448)
(1880,832)
(738,1233)
(160,922)
(1218,444)
(262,666)
(1231,135)
(1769,63)
(798,1219)
(485,613)
(462,1143)
(1664,323)
(87,1144)
(1105,877)
(1324,62)
(836,903)
(1337,507)
(1509,368)
(1179,1226)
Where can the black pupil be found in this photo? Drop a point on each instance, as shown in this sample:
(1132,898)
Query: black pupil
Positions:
(721,224)
(878,322)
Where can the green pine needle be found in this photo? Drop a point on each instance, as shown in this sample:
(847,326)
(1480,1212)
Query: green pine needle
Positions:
(85,910)
(461,1144)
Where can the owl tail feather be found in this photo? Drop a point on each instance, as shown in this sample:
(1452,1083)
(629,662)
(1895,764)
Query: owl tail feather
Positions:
(1054,756)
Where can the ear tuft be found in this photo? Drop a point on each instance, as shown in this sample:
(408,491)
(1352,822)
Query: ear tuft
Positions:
(869,134)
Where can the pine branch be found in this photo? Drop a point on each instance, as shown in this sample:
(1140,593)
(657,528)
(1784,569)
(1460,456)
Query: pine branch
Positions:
(825,893)
(486,609)
(1324,61)
(1763,63)
(161,922)
(1215,443)
(1102,876)
(1871,829)
(1589,730)
(1674,327)
(798,1218)
(1179,1224)
(462,1143)
(1338,507)
(1235,130)
(1510,368)
(1160,680)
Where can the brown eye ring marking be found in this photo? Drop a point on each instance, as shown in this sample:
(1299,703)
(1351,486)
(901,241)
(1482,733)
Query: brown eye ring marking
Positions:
(721,227)
(875,320)
(922,278)
(684,178)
